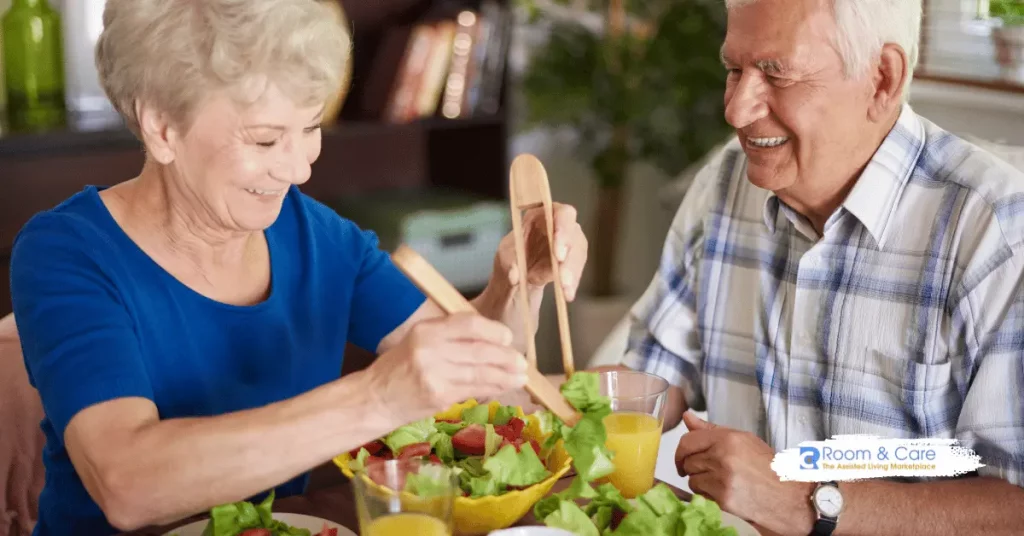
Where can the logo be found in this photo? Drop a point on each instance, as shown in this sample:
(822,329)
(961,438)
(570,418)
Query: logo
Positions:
(809,457)
(855,457)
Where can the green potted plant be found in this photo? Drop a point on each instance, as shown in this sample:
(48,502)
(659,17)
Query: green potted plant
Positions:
(637,80)
(1008,36)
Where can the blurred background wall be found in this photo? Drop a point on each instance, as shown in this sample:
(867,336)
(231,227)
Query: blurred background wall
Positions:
(445,92)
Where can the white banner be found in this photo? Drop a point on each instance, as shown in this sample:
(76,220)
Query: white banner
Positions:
(857,457)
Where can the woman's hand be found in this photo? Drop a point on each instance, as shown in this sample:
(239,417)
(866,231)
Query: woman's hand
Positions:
(570,251)
(443,361)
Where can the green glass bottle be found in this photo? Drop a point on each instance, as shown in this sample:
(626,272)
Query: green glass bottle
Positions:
(33,65)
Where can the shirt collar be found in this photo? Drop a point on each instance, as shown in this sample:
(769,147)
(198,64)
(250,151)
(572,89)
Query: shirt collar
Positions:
(876,194)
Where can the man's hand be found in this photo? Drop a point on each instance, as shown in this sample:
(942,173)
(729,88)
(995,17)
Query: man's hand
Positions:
(734,469)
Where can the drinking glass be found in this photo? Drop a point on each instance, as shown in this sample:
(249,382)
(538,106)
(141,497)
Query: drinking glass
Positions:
(425,508)
(634,427)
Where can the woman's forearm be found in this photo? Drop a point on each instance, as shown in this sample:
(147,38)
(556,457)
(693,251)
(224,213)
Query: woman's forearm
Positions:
(171,469)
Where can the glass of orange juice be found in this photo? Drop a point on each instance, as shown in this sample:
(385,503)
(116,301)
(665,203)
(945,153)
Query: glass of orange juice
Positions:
(405,497)
(634,427)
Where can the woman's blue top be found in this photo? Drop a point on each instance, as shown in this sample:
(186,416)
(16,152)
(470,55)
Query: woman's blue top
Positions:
(99,319)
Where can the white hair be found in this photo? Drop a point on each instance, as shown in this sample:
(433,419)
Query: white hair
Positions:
(864,26)
(171,53)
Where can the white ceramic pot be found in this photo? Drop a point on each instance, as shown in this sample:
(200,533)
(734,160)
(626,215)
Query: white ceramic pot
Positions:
(1009,45)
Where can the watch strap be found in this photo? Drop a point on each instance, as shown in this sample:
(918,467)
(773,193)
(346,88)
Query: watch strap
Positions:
(824,526)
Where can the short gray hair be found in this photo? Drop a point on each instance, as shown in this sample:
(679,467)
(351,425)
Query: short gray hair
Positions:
(864,26)
(171,53)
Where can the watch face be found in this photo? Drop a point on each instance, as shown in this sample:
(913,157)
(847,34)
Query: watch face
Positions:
(828,500)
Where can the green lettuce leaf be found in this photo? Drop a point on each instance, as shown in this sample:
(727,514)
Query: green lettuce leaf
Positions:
(359,463)
(579,489)
(504,414)
(281,528)
(610,496)
(442,444)
(472,466)
(544,507)
(264,509)
(476,414)
(602,517)
(492,441)
(546,422)
(513,468)
(569,517)
(430,481)
(583,391)
(482,486)
(586,444)
(232,518)
(643,522)
(449,427)
(417,432)
(664,502)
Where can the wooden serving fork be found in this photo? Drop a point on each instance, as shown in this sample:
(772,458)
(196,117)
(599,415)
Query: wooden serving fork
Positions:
(451,301)
(529,188)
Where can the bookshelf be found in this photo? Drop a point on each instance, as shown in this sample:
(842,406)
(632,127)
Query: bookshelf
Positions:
(362,151)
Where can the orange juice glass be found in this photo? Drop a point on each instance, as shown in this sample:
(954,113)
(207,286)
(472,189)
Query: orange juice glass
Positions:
(634,427)
(385,508)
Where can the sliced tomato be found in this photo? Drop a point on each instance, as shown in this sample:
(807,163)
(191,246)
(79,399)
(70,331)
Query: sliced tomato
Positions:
(535,445)
(435,459)
(373,447)
(387,454)
(511,431)
(327,532)
(617,517)
(416,450)
(471,440)
(256,532)
(451,421)
(505,431)
(517,425)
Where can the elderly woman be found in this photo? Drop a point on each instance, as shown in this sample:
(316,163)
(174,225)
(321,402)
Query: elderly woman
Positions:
(185,328)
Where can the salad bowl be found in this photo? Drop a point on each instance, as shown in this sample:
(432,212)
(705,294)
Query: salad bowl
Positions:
(487,512)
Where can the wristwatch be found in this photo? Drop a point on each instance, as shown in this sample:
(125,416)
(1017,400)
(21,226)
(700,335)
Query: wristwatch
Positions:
(828,503)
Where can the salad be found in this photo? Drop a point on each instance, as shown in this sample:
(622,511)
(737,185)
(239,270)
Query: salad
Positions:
(484,445)
(655,513)
(607,513)
(487,448)
(246,519)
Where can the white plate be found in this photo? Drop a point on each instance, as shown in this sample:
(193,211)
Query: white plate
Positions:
(314,524)
(531,531)
(728,520)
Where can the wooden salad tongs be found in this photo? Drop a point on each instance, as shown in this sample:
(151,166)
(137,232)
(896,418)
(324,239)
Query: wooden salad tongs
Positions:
(529,188)
(451,301)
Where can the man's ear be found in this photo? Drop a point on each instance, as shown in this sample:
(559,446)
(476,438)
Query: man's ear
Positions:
(889,78)
(157,132)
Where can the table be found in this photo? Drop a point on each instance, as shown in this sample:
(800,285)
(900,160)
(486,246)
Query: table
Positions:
(333,500)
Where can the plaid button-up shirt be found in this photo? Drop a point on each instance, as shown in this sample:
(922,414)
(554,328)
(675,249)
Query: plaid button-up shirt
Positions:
(905,319)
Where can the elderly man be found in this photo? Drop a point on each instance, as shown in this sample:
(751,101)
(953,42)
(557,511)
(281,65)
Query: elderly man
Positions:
(843,267)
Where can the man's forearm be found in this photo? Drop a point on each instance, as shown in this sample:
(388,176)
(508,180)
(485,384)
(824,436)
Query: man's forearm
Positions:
(981,505)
